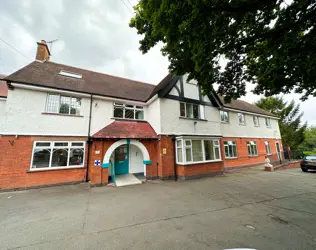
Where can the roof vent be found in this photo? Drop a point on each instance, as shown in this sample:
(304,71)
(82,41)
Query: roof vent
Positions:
(70,74)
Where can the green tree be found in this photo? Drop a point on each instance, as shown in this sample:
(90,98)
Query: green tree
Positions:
(309,144)
(270,43)
(291,128)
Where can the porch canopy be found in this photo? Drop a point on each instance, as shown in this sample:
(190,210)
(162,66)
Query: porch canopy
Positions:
(126,130)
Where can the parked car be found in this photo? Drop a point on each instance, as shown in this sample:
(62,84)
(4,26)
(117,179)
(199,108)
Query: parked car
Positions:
(308,162)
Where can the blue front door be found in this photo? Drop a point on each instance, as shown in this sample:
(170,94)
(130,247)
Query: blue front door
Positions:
(121,159)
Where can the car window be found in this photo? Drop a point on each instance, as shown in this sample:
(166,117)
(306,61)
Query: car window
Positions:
(311,157)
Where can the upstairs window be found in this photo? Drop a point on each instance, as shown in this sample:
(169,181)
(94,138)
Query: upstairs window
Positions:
(128,111)
(268,122)
(224,116)
(190,110)
(252,148)
(230,149)
(63,104)
(268,148)
(256,121)
(241,119)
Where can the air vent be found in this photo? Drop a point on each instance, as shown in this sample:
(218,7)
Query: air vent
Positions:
(70,74)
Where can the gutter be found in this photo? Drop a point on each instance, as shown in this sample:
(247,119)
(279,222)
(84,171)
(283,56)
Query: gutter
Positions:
(89,141)
(175,160)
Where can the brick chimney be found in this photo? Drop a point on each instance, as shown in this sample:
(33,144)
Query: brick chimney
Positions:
(42,53)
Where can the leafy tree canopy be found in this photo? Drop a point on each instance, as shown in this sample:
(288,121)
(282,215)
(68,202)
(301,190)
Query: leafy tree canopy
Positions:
(309,144)
(291,128)
(270,43)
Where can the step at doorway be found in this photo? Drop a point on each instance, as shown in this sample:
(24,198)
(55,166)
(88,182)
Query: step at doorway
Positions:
(126,180)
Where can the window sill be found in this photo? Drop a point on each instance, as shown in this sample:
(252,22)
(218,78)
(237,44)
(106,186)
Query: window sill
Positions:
(48,113)
(126,119)
(198,162)
(231,158)
(225,122)
(253,156)
(52,169)
(193,119)
(242,124)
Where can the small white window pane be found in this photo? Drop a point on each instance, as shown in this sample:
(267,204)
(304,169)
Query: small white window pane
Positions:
(118,112)
(41,158)
(188,156)
(202,113)
(197,150)
(43,144)
(75,106)
(129,106)
(52,103)
(179,153)
(195,111)
(65,102)
(61,144)
(139,114)
(182,109)
(118,104)
(77,144)
(139,107)
(188,143)
(76,157)
(209,150)
(60,157)
(179,144)
(189,108)
(217,154)
(129,113)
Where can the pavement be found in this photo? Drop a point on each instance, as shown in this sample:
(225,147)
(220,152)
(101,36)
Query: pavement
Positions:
(250,208)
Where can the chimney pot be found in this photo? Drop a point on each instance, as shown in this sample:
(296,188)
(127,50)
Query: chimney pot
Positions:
(42,53)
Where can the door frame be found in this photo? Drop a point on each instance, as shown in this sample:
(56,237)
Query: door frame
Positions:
(279,153)
(127,160)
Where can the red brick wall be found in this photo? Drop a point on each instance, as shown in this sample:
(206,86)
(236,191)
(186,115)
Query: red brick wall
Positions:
(199,169)
(242,152)
(166,162)
(15,160)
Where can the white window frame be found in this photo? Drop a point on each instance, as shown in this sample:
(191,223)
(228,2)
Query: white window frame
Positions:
(179,147)
(268,147)
(59,102)
(216,144)
(220,114)
(244,119)
(255,117)
(52,147)
(252,143)
(185,110)
(268,122)
(230,143)
(123,106)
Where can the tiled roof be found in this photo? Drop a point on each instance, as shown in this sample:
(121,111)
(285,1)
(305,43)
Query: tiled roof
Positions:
(128,130)
(245,106)
(3,87)
(46,74)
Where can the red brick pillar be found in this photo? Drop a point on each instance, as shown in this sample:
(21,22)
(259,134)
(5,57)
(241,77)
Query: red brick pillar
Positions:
(166,157)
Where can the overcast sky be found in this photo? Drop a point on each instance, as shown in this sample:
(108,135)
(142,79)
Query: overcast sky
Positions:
(92,34)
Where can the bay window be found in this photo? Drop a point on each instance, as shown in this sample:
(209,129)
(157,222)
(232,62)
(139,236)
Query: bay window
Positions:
(252,148)
(51,155)
(230,149)
(128,111)
(197,150)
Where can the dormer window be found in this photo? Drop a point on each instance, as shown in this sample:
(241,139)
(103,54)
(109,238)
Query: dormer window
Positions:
(70,74)
(128,111)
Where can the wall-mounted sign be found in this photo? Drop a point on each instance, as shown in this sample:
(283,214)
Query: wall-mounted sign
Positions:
(97,163)
(164,151)
(97,152)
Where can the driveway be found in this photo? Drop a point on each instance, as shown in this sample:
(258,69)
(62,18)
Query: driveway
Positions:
(250,208)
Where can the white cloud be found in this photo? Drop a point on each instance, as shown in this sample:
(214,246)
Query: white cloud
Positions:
(93,34)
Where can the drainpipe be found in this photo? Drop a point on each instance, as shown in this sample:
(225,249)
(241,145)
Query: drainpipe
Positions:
(89,141)
(175,160)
